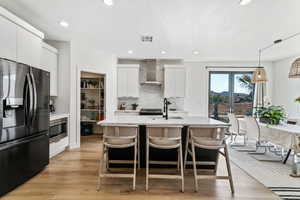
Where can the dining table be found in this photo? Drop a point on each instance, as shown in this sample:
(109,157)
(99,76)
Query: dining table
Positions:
(284,135)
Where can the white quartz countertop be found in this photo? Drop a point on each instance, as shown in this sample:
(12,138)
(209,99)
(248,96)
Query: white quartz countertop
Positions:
(58,116)
(158,120)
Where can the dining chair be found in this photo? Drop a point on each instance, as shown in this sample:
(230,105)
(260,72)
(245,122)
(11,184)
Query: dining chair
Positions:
(236,130)
(210,139)
(164,137)
(119,137)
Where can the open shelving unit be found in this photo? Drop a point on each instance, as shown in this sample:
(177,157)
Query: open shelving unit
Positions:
(92,102)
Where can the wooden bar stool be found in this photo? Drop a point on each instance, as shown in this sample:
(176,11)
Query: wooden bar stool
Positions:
(207,138)
(164,137)
(119,137)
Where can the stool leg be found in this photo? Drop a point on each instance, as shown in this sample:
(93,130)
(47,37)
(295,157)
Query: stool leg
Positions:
(147,164)
(178,160)
(100,167)
(134,168)
(228,168)
(138,153)
(194,165)
(186,149)
(181,167)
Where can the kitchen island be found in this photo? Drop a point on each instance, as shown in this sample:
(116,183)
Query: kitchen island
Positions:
(203,155)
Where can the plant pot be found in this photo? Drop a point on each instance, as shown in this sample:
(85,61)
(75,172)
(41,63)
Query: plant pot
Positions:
(266,120)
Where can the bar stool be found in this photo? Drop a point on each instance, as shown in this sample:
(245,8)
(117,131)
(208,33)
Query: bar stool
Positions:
(211,139)
(119,137)
(164,137)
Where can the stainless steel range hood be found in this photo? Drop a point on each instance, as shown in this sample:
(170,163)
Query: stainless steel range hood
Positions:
(151,72)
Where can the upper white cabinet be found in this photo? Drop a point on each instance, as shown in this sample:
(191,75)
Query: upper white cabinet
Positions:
(128,81)
(8,39)
(19,41)
(174,83)
(49,62)
(29,48)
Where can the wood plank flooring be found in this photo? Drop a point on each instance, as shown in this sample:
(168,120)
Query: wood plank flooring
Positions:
(72,175)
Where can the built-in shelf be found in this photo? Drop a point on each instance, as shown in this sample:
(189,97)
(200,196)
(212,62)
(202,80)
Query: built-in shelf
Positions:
(91,110)
(91,121)
(91,88)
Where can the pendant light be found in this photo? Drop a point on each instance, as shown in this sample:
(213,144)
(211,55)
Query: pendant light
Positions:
(260,75)
(295,69)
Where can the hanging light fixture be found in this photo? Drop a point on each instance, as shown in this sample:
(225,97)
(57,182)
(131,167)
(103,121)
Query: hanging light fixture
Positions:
(295,69)
(260,75)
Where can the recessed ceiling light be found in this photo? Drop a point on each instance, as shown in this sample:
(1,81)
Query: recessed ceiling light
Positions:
(64,24)
(109,2)
(245,2)
(130,52)
(163,52)
(196,52)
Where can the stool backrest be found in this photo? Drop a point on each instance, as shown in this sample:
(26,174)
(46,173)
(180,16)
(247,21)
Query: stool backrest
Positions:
(234,128)
(252,127)
(120,131)
(164,131)
(207,132)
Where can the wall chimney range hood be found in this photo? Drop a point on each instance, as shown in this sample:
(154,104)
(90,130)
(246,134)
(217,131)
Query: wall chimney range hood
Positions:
(151,72)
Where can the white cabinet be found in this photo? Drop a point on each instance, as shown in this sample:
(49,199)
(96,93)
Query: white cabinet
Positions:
(128,81)
(8,39)
(49,62)
(29,48)
(174,83)
(19,41)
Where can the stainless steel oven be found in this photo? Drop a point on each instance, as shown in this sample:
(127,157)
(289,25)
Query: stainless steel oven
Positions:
(58,129)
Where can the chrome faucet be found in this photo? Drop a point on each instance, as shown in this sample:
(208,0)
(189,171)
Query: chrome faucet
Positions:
(166,108)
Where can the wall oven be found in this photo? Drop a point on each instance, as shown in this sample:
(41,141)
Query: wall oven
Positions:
(58,129)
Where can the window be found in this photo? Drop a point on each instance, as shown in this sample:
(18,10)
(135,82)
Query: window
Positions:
(230,92)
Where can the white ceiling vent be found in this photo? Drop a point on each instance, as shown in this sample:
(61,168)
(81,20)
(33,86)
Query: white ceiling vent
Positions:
(147,38)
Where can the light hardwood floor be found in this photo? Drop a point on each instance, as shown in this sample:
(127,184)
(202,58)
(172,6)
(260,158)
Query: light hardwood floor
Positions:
(72,175)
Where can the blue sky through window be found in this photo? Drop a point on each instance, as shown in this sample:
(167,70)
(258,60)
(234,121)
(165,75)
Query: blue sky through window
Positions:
(220,83)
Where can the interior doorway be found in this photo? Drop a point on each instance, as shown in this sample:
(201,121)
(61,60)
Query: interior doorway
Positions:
(92,103)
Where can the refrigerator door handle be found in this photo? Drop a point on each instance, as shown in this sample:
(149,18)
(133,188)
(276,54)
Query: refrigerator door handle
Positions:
(34,98)
(30,87)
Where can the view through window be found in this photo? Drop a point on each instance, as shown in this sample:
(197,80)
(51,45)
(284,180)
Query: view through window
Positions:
(230,92)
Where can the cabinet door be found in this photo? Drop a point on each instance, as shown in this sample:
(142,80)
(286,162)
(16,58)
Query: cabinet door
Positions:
(122,82)
(133,82)
(49,62)
(29,48)
(170,83)
(8,39)
(180,82)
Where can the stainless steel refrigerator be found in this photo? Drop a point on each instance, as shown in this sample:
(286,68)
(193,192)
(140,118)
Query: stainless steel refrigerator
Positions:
(24,123)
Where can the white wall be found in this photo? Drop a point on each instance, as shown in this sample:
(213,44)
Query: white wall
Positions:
(62,101)
(196,101)
(286,90)
(86,57)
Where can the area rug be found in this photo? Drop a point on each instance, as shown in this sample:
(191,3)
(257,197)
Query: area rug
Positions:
(273,175)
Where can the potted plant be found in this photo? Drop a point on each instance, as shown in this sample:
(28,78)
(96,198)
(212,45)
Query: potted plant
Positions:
(297,100)
(134,106)
(271,115)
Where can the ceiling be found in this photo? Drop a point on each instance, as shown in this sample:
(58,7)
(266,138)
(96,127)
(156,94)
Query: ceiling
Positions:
(221,30)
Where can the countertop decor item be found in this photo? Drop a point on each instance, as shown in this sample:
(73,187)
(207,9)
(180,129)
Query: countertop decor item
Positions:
(271,115)
(134,106)
(295,69)
(297,100)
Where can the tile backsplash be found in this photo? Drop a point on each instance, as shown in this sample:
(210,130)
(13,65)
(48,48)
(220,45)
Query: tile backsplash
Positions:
(151,96)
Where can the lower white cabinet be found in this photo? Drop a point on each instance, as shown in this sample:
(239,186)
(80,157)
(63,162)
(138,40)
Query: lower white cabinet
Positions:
(174,83)
(128,81)
(58,147)
(49,62)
